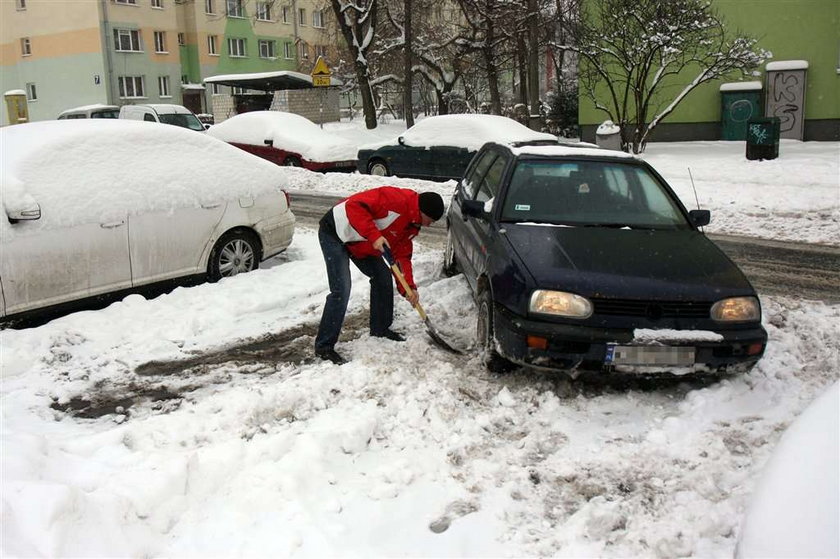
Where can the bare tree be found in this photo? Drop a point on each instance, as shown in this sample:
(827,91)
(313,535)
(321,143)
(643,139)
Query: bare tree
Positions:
(357,22)
(636,51)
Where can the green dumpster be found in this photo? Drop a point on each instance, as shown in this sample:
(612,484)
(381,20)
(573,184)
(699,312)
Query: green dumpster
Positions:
(763,138)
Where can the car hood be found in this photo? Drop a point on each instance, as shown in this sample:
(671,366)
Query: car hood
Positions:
(625,263)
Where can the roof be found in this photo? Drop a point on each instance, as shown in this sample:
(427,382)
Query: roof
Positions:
(268,81)
(569,150)
(93,107)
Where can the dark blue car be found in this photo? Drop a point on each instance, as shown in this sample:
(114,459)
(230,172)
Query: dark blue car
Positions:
(585,260)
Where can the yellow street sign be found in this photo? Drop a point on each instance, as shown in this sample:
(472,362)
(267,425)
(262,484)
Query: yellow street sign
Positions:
(321,68)
(321,81)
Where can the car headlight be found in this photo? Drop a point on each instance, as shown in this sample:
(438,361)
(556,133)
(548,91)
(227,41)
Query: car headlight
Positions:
(560,303)
(737,309)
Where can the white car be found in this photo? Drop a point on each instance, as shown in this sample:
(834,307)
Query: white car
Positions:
(99,206)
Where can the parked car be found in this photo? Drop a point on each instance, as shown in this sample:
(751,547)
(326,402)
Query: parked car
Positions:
(90,111)
(176,115)
(441,147)
(287,139)
(795,509)
(100,206)
(585,259)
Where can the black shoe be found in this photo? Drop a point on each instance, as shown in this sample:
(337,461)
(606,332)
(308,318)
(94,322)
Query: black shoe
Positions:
(391,335)
(330,354)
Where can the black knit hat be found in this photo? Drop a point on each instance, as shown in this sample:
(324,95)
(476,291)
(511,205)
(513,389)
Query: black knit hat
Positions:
(431,204)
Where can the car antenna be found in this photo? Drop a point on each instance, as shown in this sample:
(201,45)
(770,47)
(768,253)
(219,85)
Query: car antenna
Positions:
(693,188)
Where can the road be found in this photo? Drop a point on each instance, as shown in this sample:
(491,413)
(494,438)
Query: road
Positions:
(774,267)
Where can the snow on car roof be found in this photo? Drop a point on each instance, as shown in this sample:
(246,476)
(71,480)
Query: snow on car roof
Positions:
(89,108)
(86,170)
(469,131)
(288,131)
(570,150)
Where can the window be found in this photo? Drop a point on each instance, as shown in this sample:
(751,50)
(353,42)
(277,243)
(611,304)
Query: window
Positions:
(163,86)
(286,14)
(181,40)
(303,51)
(20,4)
(215,89)
(477,173)
(160,41)
(236,48)
(302,16)
(318,18)
(288,53)
(208,7)
(185,78)
(267,49)
(25,46)
(131,87)
(127,40)
(492,180)
(238,91)
(234,8)
(263,11)
(212,45)
(31,94)
(157,4)
(132,2)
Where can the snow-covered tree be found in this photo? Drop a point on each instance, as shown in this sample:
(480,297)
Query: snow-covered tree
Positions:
(641,58)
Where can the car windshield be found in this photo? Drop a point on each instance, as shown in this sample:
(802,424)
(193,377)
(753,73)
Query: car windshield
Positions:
(184,120)
(589,194)
(115,113)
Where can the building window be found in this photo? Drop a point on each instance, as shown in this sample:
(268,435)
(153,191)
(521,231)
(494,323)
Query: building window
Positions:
(264,11)
(127,40)
(266,49)
(286,15)
(25,46)
(302,16)
(157,4)
(236,48)
(31,94)
(160,41)
(182,40)
(185,78)
(234,8)
(318,18)
(132,2)
(303,51)
(215,89)
(163,86)
(212,45)
(20,4)
(208,7)
(131,87)
(288,53)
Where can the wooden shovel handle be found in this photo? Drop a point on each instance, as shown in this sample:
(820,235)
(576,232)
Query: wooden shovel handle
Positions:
(389,258)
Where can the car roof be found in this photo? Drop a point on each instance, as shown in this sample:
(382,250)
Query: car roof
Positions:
(85,108)
(565,150)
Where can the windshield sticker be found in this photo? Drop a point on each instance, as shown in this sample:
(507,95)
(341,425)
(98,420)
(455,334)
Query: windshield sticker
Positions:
(583,188)
(522,207)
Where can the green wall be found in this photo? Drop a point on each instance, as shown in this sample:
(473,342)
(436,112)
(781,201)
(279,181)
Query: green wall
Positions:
(241,28)
(790,29)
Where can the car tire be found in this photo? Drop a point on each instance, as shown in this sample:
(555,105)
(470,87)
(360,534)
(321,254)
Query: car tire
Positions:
(485,337)
(450,265)
(236,252)
(292,161)
(379,168)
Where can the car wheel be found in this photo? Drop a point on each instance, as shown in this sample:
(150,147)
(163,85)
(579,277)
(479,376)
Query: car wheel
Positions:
(450,265)
(379,168)
(485,337)
(292,161)
(235,253)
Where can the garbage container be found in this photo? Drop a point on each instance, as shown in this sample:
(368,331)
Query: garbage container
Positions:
(608,135)
(763,138)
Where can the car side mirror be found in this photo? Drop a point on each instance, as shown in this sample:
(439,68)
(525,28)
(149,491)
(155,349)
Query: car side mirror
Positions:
(473,208)
(269,143)
(27,213)
(401,141)
(699,218)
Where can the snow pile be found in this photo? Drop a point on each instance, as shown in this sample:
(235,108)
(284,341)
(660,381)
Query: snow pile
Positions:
(288,132)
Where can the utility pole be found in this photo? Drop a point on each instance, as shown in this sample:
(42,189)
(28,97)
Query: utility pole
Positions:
(408,106)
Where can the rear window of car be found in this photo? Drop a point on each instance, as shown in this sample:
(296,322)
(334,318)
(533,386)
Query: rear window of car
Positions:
(590,193)
(182,120)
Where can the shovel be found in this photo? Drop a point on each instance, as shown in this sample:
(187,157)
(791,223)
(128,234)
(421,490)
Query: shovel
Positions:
(430,329)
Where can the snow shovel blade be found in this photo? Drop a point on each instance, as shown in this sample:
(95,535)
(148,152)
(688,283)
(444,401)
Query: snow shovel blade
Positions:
(430,329)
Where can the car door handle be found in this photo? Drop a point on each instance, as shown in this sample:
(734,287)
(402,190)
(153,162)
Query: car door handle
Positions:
(211,205)
(112,224)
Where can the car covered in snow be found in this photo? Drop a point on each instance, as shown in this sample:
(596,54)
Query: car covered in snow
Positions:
(441,147)
(287,139)
(584,259)
(97,110)
(100,206)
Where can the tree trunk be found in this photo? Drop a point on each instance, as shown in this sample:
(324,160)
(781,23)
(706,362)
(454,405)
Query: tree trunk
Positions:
(442,101)
(408,104)
(534,120)
(492,72)
(523,71)
(368,105)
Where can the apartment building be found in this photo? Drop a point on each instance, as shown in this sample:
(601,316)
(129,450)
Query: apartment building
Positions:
(67,54)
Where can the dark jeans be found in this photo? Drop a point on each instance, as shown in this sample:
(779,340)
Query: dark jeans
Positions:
(337,259)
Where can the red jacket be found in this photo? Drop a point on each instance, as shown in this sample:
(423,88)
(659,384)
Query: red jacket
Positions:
(387,211)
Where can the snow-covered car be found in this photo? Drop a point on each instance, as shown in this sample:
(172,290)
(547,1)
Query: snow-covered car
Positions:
(97,110)
(795,510)
(287,139)
(441,147)
(584,259)
(99,206)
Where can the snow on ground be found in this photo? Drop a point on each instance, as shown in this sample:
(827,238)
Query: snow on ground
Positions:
(404,451)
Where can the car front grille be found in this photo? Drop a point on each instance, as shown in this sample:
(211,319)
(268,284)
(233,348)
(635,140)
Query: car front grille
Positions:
(652,309)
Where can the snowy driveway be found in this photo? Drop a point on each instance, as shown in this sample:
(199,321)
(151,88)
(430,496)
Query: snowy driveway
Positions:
(406,450)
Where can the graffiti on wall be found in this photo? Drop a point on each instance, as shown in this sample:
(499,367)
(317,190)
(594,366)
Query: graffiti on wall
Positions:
(786,100)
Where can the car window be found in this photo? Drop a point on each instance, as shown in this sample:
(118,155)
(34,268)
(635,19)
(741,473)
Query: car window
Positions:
(105,114)
(589,193)
(473,180)
(491,181)
(149,118)
(183,120)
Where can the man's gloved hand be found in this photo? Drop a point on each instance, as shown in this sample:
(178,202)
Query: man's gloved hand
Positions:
(413,297)
(381,242)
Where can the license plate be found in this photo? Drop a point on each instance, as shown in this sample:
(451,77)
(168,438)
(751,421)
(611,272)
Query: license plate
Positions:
(649,355)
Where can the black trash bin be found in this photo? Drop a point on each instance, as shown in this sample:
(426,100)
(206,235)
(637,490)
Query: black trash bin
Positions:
(763,138)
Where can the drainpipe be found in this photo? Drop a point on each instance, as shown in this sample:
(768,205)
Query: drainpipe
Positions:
(106,44)
(295,31)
